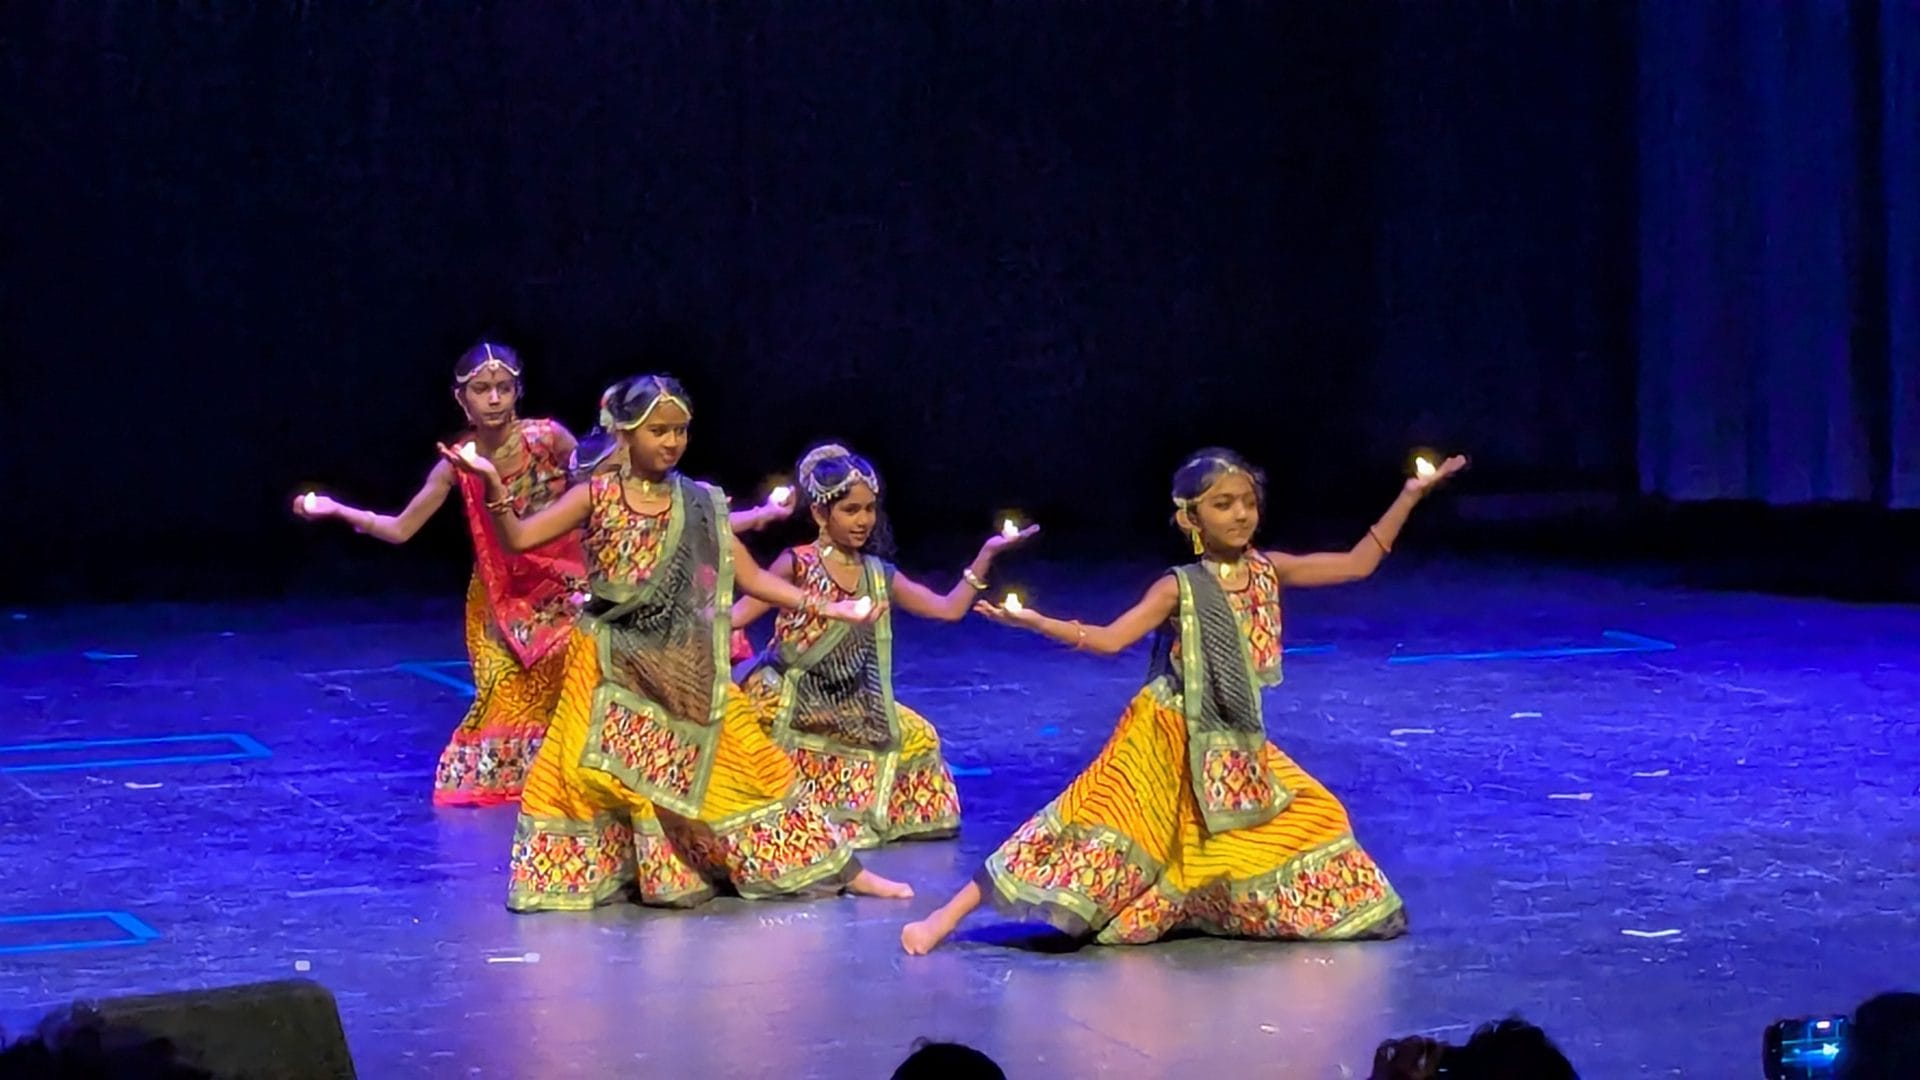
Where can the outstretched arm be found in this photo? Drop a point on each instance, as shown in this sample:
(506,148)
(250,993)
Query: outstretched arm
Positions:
(749,608)
(561,517)
(1357,563)
(916,599)
(778,507)
(757,583)
(393,528)
(779,592)
(1154,609)
(1360,561)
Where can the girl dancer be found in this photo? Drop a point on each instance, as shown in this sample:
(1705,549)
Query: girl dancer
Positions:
(520,605)
(826,690)
(1190,819)
(655,772)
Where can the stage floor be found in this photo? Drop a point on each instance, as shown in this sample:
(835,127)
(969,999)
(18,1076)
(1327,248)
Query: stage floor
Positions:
(1650,820)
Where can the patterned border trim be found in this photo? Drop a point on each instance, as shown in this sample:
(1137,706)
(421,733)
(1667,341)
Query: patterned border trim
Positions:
(593,837)
(1064,909)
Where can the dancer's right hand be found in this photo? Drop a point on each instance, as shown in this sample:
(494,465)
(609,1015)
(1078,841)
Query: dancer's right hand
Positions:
(477,465)
(313,507)
(850,611)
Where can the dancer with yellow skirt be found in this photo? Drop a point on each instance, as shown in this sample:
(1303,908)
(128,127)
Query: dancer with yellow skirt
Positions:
(656,775)
(1189,819)
(826,689)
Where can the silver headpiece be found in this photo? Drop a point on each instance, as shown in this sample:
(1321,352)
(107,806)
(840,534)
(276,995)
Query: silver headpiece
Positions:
(821,493)
(493,360)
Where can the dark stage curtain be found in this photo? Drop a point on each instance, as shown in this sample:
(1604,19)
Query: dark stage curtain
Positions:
(1779,323)
(1022,255)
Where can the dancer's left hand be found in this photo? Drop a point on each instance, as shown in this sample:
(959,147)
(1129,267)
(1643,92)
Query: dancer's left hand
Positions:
(1001,541)
(477,465)
(1422,486)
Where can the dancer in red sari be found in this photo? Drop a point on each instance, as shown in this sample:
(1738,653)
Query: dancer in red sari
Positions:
(520,606)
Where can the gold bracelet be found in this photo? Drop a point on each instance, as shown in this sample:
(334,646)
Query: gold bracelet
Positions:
(973,580)
(501,505)
(1080,639)
(1385,547)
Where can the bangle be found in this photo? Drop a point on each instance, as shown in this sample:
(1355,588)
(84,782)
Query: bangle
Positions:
(1080,635)
(501,505)
(973,580)
(1385,547)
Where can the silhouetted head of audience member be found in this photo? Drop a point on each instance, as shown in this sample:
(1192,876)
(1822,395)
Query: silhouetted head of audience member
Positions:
(1884,1042)
(1507,1050)
(947,1061)
(1510,1049)
(78,1044)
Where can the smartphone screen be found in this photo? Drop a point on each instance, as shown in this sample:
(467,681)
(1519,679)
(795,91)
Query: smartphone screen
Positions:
(1805,1049)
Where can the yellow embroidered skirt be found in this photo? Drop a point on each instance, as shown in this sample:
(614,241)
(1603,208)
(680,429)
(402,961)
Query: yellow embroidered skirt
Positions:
(921,801)
(485,763)
(1122,854)
(583,837)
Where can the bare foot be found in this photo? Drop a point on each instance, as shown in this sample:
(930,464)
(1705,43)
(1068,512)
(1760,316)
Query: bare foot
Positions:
(921,938)
(868,883)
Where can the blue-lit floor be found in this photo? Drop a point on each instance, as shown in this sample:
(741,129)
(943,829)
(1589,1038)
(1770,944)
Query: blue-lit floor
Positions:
(1652,821)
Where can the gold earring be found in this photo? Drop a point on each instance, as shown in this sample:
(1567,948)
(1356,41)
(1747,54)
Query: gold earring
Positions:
(1198,547)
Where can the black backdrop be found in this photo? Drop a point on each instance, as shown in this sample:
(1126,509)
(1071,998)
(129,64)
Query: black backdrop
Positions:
(1020,254)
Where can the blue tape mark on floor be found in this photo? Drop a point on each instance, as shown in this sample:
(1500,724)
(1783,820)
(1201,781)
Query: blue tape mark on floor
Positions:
(969,770)
(245,748)
(135,931)
(1621,642)
(1049,730)
(436,671)
(99,656)
(1308,650)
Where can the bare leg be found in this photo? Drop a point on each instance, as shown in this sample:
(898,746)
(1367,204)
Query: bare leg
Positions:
(921,938)
(868,883)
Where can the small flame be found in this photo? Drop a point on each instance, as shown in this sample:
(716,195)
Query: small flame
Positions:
(471,453)
(1013,604)
(1009,530)
(781,495)
(310,502)
(1423,468)
(863,606)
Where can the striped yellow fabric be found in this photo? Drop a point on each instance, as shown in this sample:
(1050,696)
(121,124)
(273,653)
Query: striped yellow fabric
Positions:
(749,771)
(1124,855)
(1138,787)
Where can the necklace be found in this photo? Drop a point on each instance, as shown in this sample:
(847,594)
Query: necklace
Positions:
(649,489)
(828,551)
(1224,569)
